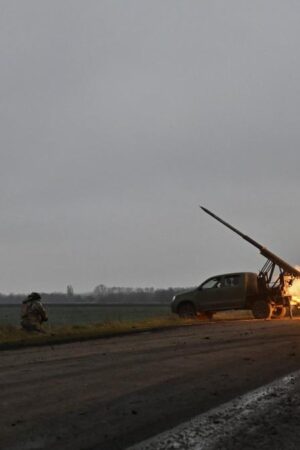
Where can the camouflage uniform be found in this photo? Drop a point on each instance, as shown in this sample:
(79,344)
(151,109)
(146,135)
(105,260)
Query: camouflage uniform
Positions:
(33,314)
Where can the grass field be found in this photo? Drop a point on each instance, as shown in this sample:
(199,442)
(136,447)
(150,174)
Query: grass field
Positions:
(81,322)
(14,337)
(88,314)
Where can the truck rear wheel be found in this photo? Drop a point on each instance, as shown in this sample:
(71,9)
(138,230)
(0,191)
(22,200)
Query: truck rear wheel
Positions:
(209,315)
(186,310)
(262,309)
(279,312)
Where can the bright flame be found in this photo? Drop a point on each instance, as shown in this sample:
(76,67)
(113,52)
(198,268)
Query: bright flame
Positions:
(294,290)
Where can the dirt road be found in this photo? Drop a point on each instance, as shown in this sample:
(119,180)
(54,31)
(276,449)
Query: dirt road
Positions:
(112,393)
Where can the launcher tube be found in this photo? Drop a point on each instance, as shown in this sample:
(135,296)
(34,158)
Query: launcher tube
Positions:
(263,250)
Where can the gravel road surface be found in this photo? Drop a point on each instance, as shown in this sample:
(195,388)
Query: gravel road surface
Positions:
(266,418)
(114,393)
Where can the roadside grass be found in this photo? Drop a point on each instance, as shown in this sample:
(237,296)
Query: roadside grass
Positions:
(15,337)
(234,315)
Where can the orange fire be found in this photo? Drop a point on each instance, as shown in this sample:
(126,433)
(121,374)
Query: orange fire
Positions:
(294,289)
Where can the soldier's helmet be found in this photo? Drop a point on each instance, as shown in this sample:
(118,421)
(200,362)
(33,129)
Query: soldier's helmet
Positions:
(34,296)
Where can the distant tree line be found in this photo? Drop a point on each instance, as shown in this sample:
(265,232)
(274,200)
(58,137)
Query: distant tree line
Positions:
(103,295)
(114,295)
(55,297)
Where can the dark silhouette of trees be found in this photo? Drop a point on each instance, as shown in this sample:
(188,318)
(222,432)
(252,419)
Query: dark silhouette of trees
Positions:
(103,295)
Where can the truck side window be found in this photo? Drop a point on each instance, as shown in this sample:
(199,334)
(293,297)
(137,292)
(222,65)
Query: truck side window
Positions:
(231,281)
(212,283)
(236,280)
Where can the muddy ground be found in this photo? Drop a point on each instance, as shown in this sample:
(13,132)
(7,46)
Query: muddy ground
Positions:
(112,393)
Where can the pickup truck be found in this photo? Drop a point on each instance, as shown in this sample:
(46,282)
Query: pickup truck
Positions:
(231,291)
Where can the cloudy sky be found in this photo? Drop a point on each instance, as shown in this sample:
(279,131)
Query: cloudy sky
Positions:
(119,117)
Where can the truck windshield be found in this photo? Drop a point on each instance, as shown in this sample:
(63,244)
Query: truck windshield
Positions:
(211,283)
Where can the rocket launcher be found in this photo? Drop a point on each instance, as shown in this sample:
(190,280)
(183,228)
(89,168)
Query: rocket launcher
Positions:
(285,267)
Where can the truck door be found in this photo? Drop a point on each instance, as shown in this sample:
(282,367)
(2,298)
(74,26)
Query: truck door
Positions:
(233,292)
(208,295)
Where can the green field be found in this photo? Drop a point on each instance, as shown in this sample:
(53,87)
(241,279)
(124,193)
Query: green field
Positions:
(88,314)
(77,322)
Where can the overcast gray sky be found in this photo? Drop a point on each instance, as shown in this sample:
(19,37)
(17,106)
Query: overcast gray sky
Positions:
(119,117)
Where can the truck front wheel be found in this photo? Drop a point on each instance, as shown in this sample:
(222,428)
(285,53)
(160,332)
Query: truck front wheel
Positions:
(262,309)
(186,310)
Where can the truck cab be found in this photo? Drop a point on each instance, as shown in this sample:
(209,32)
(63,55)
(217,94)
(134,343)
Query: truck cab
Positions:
(218,293)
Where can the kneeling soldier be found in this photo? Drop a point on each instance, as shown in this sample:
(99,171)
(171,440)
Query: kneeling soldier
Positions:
(33,313)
